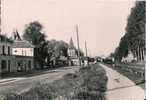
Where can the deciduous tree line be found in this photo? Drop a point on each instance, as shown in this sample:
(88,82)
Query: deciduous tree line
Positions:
(134,38)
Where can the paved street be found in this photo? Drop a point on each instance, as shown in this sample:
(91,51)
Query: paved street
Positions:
(120,87)
(23,84)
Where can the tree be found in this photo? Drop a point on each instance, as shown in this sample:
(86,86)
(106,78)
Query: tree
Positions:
(122,49)
(33,33)
(56,49)
(136,30)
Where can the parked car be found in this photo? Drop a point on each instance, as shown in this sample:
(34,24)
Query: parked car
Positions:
(108,61)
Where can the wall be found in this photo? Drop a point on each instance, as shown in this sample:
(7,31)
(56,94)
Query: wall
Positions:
(9,68)
(10,60)
(72,53)
(22,63)
(6,48)
(23,51)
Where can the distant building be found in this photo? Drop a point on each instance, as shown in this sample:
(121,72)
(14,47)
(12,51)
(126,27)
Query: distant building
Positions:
(98,59)
(22,48)
(129,58)
(72,54)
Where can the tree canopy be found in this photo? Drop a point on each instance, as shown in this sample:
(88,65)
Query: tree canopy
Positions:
(135,31)
(33,33)
(57,48)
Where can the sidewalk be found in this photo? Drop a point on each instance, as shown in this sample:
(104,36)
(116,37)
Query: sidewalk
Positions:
(120,87)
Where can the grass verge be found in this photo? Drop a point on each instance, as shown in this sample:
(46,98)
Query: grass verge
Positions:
(89,83)
(138,80)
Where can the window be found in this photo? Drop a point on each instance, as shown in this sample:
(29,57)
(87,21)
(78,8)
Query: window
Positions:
(8,50)
(19,64)
(3,50)
(29,64)
(9,65)
(4,64)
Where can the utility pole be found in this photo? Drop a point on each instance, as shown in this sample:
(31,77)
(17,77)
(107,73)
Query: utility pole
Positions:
(0,17)
(86,49)
(0,33)
(78,44)
(86,52)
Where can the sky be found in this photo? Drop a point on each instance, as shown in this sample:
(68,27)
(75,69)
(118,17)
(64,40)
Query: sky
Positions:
(101,23)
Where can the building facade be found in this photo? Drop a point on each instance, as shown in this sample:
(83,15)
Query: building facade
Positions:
(129,58)
(6,58)
(15,55)
(23,52)
(72,54)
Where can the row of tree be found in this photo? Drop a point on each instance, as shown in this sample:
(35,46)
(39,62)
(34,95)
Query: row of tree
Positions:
(45,51)
(134,39)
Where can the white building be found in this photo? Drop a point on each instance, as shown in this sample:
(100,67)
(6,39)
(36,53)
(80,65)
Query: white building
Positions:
(22,48)
(129,58)
(72,54)
(23,52)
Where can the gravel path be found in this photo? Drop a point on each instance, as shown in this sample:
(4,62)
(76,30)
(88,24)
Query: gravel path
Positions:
(120,87)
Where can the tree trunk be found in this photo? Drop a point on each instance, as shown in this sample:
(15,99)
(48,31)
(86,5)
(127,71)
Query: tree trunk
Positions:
(142,54)
(137,54)
(143,50)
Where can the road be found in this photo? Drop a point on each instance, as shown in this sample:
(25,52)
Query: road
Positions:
(120,87)
(23,84)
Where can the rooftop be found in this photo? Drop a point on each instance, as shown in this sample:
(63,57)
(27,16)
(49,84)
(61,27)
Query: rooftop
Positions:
(22,44)
(71,44)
